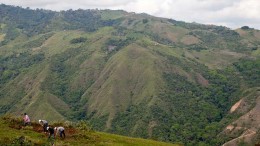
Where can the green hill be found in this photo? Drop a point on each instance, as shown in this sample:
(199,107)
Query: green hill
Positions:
(14,133)
(127,73)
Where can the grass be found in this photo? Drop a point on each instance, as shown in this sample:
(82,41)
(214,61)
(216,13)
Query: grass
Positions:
(34,101)
(60,41)
(11,130)
(13,133)
(118,140)
(190,40)
(54,45)
(127,64)
(2,36)
(215,58)
(256,53)
(173,33)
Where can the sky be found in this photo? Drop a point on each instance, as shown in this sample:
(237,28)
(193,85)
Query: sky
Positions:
(229,13)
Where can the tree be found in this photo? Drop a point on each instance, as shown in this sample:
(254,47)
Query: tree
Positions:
(245,27)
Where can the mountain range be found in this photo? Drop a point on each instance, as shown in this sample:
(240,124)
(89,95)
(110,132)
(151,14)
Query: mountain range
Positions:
(132,74)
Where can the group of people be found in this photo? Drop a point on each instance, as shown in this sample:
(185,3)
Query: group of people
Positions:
(50,130)
(46,127)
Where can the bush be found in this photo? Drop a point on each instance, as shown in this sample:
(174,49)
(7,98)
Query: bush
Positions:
(22,141)
(145,21)
(78,40)
(84,126)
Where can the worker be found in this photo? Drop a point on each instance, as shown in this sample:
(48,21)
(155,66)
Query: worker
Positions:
(26,119)
(51,135)
(44,124)
(61,131)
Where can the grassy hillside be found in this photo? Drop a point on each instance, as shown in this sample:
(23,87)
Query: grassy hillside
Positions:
(127,73)
(13,133)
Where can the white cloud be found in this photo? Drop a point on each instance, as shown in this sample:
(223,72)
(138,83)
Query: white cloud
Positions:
(231,13)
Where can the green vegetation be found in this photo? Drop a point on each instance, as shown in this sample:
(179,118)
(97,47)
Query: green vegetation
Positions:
(38,41)
(124,73)
(11,66)
(61,73)
(117,44)
(249,69)
(12,132)
(78,40)
(203,106)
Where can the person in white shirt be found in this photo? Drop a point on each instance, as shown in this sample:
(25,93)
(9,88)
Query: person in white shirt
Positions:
(61,131)
(44,123)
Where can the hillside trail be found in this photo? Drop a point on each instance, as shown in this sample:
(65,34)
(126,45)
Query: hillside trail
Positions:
(245,135)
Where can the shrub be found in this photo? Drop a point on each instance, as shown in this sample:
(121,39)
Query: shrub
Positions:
(84,126)
(145,21)
(78,40)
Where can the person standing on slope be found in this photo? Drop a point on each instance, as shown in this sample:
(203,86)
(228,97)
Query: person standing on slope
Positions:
(26,119)
(61,131)
(44,123)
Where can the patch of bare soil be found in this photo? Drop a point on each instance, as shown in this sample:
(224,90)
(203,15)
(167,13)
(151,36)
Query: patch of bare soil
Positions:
(18,127)
(15,123)
(172,36)
(241,32)
(70,132)
(201,80)
(152,124)
(247,136)
(248,124)
(230,53)
(257,34)
(18,124)
(190,40)
(37,127)
(235,106)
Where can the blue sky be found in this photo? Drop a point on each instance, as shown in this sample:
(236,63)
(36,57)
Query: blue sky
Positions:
(230,13)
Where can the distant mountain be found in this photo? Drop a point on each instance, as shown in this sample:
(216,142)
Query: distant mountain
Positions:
(132,74)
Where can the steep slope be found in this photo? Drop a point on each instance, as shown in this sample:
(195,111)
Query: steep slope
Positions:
(127,79)
(131,74)
(245,130)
